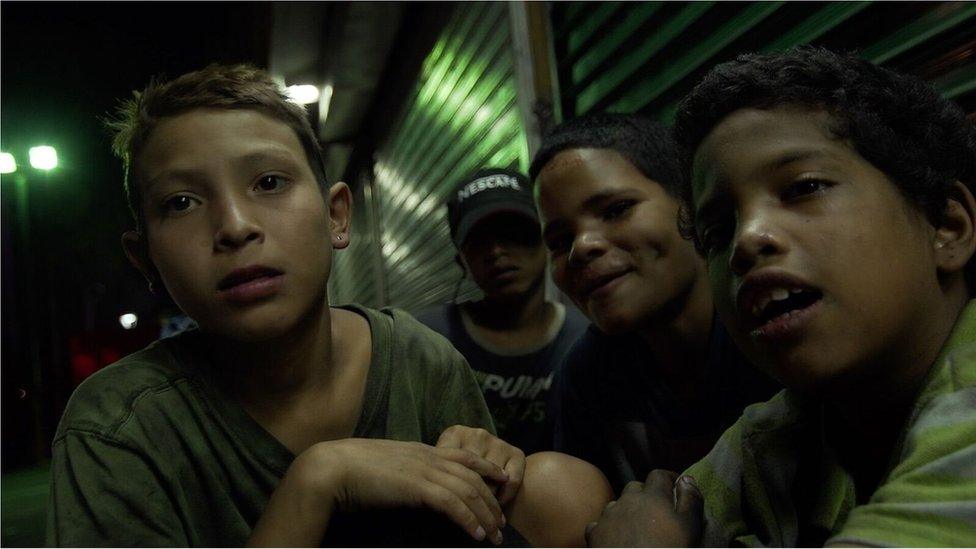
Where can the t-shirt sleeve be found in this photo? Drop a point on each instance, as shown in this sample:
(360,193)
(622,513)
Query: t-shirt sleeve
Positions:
(929,499)
(105,494)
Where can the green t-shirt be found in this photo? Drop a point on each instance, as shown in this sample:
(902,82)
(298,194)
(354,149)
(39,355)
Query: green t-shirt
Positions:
(751,478)
(151,452)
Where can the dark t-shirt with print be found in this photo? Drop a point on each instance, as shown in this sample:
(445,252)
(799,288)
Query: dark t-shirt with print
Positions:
(614,409)
(517,387)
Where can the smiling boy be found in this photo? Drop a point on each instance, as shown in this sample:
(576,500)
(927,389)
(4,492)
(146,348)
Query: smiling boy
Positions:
(656,380)
(268,422)
(832,200)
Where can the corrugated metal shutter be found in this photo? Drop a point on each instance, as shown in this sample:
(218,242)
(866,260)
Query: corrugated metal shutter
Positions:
(462,115)
(643,57)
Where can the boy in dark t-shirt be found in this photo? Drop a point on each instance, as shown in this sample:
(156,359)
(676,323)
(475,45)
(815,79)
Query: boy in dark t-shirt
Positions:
(656,380)
(513,338)
(280,412)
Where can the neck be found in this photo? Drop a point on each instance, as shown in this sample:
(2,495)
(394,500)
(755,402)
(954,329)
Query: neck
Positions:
(865,431)
(281,368)
(529,309)
(677,336)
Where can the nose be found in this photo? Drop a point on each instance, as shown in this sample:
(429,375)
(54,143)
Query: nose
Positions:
(757,240)
(587,246)
(234,225)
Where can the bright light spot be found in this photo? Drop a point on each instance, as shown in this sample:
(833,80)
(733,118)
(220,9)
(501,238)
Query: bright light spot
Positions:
(303,94)
(43,157)
(7,163)
(128,321)
(325,102)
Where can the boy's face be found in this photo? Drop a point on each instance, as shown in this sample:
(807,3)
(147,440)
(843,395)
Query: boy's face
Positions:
(505,255)
(819,267)
(236,224)
(613,239)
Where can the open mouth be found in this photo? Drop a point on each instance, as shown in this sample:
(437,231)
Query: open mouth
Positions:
(782,311)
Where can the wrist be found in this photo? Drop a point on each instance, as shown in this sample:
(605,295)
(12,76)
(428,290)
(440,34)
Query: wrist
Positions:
(319,472)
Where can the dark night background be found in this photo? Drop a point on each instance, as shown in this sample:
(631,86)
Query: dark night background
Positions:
(64,67)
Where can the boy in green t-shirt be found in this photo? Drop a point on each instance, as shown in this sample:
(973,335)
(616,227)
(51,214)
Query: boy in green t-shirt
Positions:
(282,420)
(832,200)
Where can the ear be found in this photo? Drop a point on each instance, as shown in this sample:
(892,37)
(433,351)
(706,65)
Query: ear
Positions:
(955,239)
(137,252)
(340,212)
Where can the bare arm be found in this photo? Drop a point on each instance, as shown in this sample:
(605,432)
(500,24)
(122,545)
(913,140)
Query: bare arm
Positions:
(357,474)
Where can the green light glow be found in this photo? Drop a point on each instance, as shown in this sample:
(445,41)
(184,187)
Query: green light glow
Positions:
(7,163)
(43,157)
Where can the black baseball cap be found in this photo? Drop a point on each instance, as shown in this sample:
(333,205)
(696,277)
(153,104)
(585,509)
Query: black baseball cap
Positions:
(488,192)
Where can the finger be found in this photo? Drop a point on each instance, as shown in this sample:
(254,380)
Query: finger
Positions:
(450,438)
(632,486)
(688,498)
(588,532)
(444,501)
(660,483)
(609,506)
(515,468)
(473,479)
(474,462)
(475,495)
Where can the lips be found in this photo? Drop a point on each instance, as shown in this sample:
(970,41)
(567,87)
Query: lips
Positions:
(776,303)
(592,285)
(250,283)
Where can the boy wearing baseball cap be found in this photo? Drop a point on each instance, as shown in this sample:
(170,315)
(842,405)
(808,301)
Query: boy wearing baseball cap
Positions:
(513,337)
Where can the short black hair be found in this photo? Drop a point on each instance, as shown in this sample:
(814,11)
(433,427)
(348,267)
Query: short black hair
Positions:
(646,144)
(898,123)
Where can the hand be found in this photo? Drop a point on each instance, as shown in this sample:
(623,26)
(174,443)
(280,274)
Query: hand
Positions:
(665,511)
(385,474)
(484,444)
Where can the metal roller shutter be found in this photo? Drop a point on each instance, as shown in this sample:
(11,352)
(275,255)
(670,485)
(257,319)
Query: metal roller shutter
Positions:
(643,57)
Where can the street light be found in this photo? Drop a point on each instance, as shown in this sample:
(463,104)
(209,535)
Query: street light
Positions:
(128,321)
(43,157)
(7,163)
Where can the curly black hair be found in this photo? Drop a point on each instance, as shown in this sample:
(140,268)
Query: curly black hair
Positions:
(646,144)
(900,124)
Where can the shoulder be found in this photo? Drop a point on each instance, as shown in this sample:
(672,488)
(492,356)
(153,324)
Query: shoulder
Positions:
(104,402)
(410,343)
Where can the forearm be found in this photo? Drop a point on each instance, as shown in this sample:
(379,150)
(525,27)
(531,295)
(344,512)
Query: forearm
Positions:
(299,510)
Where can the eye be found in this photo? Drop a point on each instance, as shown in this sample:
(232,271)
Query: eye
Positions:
(179,204)
(271,183)
(804,187)
(617,209)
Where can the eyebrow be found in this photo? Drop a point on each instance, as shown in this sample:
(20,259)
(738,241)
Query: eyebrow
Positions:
(720,199)
(590,203)
(248,159)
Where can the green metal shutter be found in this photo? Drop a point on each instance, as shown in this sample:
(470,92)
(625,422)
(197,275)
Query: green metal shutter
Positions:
(462,115)
(643,57)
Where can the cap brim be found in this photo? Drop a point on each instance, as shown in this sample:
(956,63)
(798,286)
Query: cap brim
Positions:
(480,213)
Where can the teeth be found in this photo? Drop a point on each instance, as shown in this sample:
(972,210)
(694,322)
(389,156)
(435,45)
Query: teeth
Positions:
(773,294)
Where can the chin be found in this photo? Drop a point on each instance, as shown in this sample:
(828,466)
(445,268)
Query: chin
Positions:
(614,323)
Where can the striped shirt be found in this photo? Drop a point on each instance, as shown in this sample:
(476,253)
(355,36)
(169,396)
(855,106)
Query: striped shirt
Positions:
(927,497)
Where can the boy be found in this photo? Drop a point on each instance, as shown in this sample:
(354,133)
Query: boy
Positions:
(513,338)
(656,381)
(833,202)
(241,431)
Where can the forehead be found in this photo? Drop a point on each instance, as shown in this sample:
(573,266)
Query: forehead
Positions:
(574,174)
(751,141)
(202,137)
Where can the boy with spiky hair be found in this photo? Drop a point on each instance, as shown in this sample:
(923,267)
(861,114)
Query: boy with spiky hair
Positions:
(832,200)
(280,413)
(656,380)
